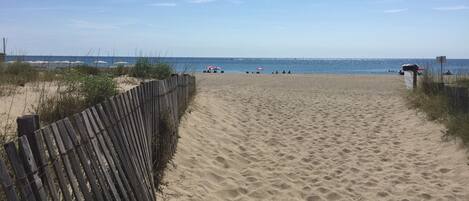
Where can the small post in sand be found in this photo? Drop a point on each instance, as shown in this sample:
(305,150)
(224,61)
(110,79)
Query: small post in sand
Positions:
(410,75)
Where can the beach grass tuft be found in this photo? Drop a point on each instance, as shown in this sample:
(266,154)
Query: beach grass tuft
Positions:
(444,103)
(74,94)
(145,69)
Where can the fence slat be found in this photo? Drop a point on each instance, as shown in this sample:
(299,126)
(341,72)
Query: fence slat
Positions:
(108,149)
(114,151)
(93,156)
(135,102)
(133,136)
(138,118)
(31,169)
(55,160)
(103,163)
(119,116)
(44,169)
(63,135)
(121,148)
(132,128)
(15,161)
(139,134)
(7,183)
(66,162)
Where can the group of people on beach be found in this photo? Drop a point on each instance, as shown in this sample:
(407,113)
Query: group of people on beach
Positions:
(283,72)
(213,71)
(247,72)
(273,72)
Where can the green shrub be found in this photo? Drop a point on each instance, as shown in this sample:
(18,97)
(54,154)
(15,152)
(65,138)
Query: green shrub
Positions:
(435,106)
(76,93)
(141,68)
(161,71)
(96,89)
(439,106)
(19,68)
(50,75)
(59,106)
(86,70)
(18,73)
(458,126)
(462,81)
(120,70)
(144,69)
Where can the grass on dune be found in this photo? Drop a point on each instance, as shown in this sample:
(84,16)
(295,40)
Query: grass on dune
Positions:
(440,106)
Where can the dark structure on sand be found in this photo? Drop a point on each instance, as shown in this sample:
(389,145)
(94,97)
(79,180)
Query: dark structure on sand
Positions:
(2,57)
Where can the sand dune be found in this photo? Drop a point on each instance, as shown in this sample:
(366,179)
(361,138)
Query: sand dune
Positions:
(18,101)
(311,137)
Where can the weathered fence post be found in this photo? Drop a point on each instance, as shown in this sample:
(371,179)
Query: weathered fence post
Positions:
(23,184)
(29,152)
(27,124)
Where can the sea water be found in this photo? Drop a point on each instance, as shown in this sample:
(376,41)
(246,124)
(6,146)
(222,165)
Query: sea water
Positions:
(269,65)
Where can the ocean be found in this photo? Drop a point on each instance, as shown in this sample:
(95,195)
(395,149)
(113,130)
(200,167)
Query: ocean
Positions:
(269,65)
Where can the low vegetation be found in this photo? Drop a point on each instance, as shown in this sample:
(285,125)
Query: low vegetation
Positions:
(96,89)
(17,74)
(85,70)
(147,70)
(74,88)
(120,70)
(447,103)
(75,93)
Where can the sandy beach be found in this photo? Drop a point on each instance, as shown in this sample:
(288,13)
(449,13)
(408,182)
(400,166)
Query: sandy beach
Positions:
(311,137)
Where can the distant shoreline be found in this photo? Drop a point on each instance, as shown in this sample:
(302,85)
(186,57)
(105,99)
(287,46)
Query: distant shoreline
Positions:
(241,65)
(267,58)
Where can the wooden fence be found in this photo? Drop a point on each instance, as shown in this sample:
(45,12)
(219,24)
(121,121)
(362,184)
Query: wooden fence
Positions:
(116,150)
(457,96)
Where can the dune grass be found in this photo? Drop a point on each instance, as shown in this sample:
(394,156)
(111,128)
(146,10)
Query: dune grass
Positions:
(75,93)
(440,106)
(145,69)
(73,88)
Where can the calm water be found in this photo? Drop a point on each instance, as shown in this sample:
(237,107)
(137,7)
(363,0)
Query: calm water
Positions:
(241,65)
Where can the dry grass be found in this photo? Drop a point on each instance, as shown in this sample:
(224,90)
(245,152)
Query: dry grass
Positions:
(438,105)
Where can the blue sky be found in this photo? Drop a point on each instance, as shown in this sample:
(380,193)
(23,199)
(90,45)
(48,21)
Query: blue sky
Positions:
(238,28)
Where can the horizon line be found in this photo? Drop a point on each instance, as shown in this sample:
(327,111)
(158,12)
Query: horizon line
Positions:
(233,57)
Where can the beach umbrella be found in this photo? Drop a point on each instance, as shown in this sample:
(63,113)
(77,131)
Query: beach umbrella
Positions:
(100,62)
(213,68)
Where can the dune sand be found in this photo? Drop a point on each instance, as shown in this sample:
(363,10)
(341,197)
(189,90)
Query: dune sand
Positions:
(17,101)
(311,137)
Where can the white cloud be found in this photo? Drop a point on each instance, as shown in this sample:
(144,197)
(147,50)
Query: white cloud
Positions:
(396,10)
(450,8)
(163,4)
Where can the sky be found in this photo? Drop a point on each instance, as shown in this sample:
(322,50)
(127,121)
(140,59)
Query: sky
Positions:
(238,28)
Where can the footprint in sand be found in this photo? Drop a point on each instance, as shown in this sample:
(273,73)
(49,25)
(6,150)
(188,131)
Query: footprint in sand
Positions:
(222,161)
(333,196)
(313,198)
(445,170)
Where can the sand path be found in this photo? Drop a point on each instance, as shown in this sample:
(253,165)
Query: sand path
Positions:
(311,137)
